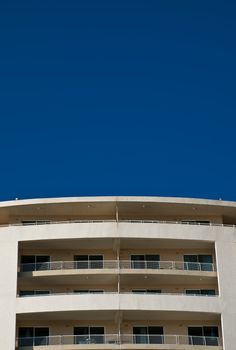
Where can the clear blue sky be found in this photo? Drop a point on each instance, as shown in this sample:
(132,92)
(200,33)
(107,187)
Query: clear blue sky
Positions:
(117,97)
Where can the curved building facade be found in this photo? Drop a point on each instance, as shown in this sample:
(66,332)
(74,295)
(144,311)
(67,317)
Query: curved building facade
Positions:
(118,273)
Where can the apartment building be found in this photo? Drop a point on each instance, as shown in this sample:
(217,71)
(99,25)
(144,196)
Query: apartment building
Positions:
(118,273)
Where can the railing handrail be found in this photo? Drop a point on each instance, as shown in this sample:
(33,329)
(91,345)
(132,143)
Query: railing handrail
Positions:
(52,222)
(117,334)
(177,339)
(120,264)
(118,293)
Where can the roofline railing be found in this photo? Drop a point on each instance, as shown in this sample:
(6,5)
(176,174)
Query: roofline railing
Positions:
(118,339)
(117,293)
(118,265)
(144,221)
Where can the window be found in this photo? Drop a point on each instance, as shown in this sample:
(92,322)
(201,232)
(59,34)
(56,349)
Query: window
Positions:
(26,293)
(35,263)
(35,222)
(195,222)
(146,291)
(198,262)
(91,291)
(88,335)
(88,261)
(200,291)
(29,336)
(147,261)
(203,335)
(148,335)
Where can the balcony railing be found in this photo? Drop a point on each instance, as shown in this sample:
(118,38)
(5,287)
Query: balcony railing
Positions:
(143,221)
(167,265)
(70,265)
(119,265)
(109,293)
(116,339)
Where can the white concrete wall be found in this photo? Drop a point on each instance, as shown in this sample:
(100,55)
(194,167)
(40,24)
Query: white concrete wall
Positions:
(225,242)
(115,302)
(8,285)
(226,265)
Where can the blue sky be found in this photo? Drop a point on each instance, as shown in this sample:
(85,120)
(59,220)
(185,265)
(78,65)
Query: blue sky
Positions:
(117,97)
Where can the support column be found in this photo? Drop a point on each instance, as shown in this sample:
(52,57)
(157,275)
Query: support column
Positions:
(8,286)
(226,269)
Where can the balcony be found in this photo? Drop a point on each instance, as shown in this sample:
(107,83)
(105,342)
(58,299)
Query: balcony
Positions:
(116,341)
(119,265)
(96,292)
(97,221)
(107,272)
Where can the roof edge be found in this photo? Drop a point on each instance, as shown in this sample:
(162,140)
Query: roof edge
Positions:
(153,199)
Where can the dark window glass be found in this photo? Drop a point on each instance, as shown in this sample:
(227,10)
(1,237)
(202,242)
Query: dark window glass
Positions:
(146,291)
(195,335)
(137,261)
(140,335)
(210,331)
(191,262)
(35,262)
(81,335)
(81,330)
(89,335)
(29,336)
(88,261)
(28,263)
(86,291)
(198,262)
(193,291)
(96,335)
(211,335)
(41,336)
(203,335)
(208,292)
(148,335)
(81,261)
(193,222)
(96,261)
(152,261)
(201,291)
(155,335)
(35,222)
(26,335)
(24,293)
(27,259)
(206,262)
(42,262)
(42,292)
(148,261)
(28,222)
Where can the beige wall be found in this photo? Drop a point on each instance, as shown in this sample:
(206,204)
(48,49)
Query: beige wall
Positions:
(165,254)
(65,255)
(67,327)
(169,326)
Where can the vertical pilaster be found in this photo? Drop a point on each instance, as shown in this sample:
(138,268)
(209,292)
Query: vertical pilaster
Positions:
(8,285)
(226,267)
